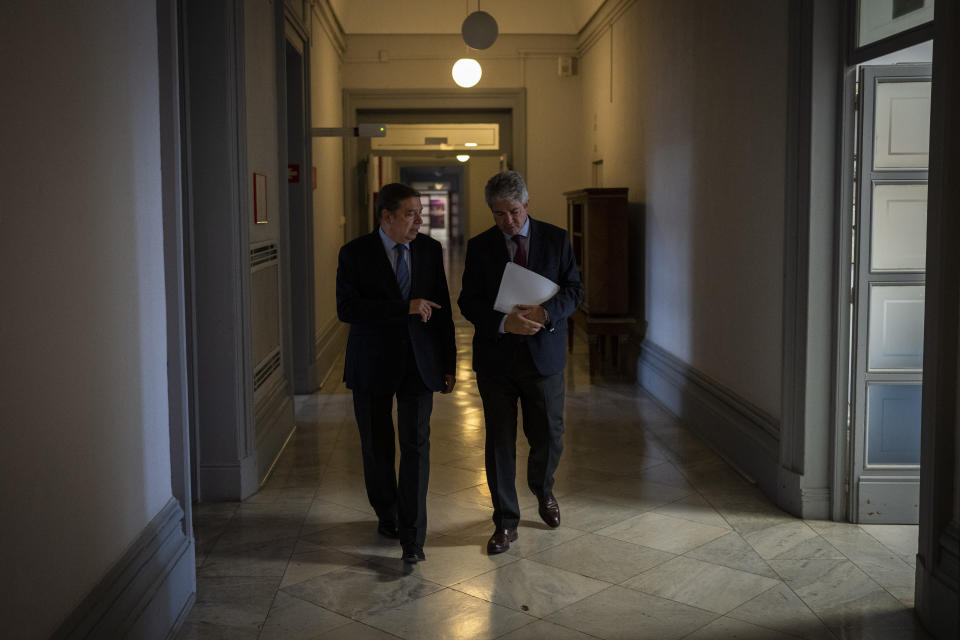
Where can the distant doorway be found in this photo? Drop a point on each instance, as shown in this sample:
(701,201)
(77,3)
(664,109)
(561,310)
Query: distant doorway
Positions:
(441,189)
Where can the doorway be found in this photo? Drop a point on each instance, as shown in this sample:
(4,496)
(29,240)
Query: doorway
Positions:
(441,190)
(299,198)
(886,307)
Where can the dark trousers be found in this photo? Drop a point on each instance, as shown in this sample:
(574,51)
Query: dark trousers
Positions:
(541,401)
(402,499)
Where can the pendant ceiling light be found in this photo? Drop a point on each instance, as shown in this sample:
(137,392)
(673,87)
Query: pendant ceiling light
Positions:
(466,72)
(479,29)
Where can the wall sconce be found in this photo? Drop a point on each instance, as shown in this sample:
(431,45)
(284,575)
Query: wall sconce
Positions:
(463,157)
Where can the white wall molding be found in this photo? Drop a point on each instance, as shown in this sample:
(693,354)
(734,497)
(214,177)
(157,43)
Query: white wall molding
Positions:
(605,17)
(147,591)
(331,26)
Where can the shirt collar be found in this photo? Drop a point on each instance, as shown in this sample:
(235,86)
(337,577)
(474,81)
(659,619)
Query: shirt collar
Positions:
(389,244)
(524,230)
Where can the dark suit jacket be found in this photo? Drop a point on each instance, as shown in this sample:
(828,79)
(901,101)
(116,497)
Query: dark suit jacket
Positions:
(549,255)
(369,298)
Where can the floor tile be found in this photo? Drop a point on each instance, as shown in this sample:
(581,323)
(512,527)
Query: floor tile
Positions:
(446,514)
(638,494)
(839,592)
(901,539)
(356,538)
(455,558)
(305,566)
(326,515)
(730,629)
(445,479)
(256,559)
(619,613)
(778,539)
(208,631)
(242,603)
(294,619)
(531,587)
(781,609)
(733,551)
(585,513)
(543,630)
(666,533)
(602,558)
(449,615)
(355,631)
(362,590)
(694,508)
(701,584)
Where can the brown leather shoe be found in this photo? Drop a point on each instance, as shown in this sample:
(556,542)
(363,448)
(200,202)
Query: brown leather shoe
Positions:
(500,540)
(550,511)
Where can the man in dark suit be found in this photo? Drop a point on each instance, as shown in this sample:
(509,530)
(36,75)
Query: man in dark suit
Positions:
(392,289)
(519,355)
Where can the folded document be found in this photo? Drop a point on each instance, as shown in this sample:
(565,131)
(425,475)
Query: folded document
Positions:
(522,286)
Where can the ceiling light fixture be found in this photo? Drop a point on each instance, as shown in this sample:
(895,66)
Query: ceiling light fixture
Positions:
(479,30)
(469,144)
(463,157)
(466,72)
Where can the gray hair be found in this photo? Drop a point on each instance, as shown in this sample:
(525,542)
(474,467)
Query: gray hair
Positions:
(509,186)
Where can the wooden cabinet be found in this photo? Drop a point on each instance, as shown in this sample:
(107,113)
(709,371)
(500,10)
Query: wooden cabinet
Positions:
(597,221)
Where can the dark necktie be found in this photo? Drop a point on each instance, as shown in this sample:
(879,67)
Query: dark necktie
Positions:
(403,274)
(520,255)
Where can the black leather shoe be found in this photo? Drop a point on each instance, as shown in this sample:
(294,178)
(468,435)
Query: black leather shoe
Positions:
(550,511)
(388,529)
(500,540)
(413,553)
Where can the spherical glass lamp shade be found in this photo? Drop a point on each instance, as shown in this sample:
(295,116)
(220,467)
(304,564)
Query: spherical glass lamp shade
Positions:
(463,157)
(466,72)
(479,30)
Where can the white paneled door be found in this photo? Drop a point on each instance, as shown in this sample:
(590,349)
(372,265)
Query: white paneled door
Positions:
(890,258)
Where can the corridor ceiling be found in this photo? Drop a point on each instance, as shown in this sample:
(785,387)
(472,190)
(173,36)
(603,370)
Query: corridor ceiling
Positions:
(445,16)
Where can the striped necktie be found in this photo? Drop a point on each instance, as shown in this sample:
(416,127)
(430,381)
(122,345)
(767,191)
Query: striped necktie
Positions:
(403,274)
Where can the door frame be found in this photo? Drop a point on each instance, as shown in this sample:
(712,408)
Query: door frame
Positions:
(299,233)
(355,100)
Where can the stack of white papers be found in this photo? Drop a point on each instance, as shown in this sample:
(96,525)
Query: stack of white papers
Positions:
(519,285)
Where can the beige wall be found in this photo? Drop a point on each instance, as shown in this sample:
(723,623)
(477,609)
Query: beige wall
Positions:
(479,170)
(326,104)
(694,124)
(260,84)
(85,462)
(530,62)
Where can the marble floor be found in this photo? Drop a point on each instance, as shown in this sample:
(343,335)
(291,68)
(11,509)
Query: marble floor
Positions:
(660,539)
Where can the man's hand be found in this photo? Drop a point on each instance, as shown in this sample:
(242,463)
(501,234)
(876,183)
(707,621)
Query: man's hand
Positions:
(449,381)
(423,308)
(533,312)
(517,322)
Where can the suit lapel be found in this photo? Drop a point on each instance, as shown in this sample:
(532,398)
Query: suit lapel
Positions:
(533,247)
(416,262)
(384,270)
